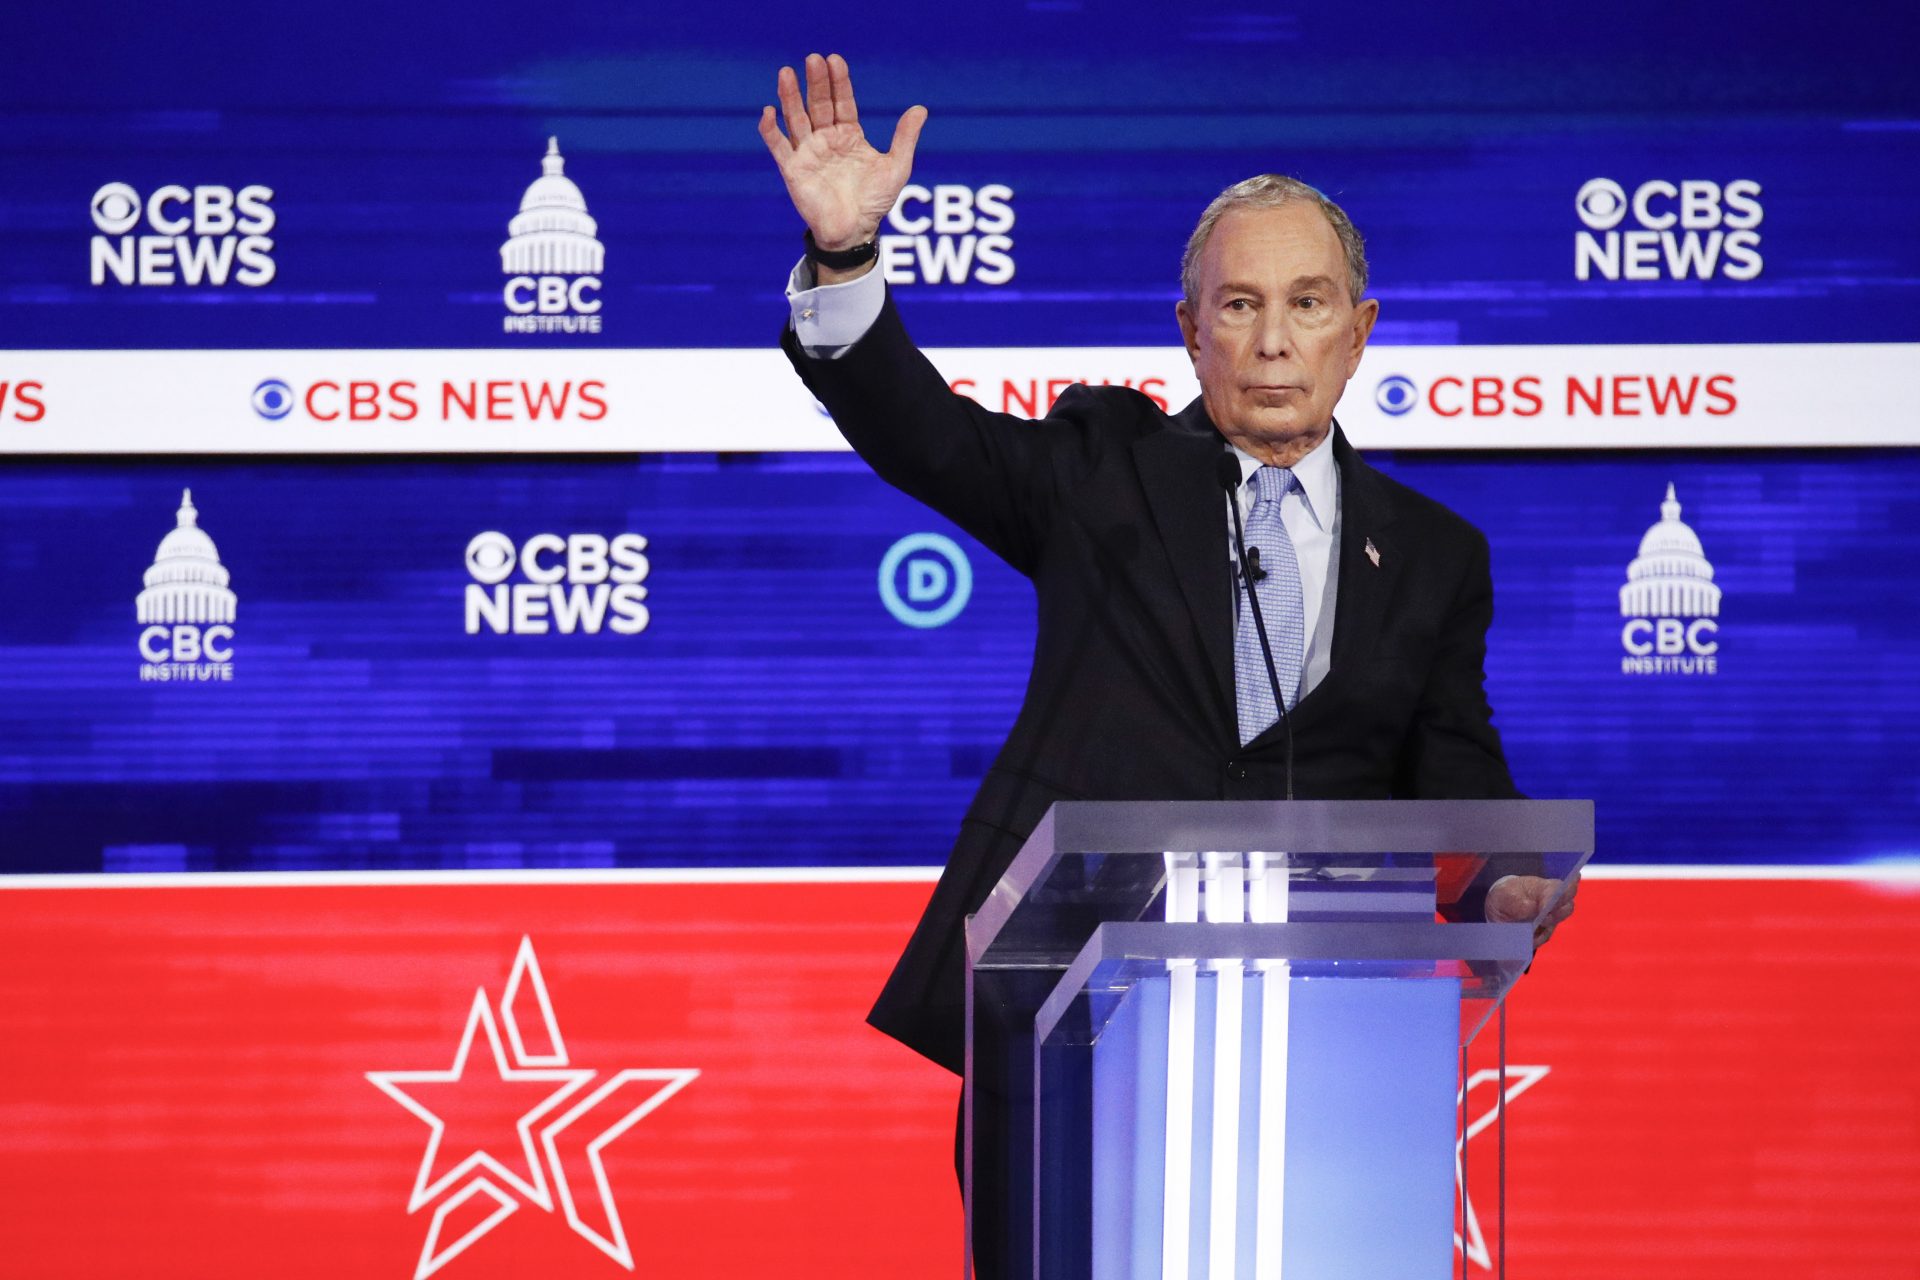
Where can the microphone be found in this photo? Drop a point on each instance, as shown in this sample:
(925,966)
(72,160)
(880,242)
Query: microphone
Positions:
(1228,473)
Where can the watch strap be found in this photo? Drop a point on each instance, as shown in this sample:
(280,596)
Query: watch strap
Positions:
(841,259)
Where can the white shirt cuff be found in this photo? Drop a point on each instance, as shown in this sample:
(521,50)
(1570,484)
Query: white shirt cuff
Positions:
(829,318)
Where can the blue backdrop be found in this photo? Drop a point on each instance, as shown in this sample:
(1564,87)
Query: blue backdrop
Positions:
(397,142)
(773,707)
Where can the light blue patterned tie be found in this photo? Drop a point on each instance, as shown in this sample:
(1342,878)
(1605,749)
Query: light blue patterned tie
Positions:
(1281,604)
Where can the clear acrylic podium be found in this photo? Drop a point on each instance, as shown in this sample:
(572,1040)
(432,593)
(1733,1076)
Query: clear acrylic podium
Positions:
(1224,1041)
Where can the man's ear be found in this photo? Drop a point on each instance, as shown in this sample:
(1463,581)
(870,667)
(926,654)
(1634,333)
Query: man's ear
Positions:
(1363,317)
(1189,331)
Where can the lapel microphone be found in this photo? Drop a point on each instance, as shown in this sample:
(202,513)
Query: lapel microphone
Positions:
(1228,473)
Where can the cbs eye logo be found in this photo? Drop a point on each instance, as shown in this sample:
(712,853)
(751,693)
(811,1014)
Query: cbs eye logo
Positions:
(1601,203)
(491,557)
(1396,395)
(116,208)
(273,399)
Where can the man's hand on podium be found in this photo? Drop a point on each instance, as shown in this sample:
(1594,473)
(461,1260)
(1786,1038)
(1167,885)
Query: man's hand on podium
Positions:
(1517,899)
(839,184)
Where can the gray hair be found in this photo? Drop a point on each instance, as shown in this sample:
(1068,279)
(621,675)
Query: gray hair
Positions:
(1271,191)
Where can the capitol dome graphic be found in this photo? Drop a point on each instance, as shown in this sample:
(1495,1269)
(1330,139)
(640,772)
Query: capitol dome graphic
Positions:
(187,582)
(1671,577)
(552,234)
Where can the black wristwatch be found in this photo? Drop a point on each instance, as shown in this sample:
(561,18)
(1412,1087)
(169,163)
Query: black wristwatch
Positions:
(841,259)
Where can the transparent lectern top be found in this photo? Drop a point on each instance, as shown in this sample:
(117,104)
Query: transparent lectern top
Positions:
(1090,862)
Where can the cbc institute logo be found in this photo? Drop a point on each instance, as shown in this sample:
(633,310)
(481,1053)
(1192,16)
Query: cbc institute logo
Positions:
(553,257)
(186,607)
(492,1169)
(1671,602)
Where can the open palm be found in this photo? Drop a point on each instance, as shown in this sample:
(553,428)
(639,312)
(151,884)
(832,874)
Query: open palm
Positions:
(839,184)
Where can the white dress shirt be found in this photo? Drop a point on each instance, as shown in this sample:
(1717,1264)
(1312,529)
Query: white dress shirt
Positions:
(828,319)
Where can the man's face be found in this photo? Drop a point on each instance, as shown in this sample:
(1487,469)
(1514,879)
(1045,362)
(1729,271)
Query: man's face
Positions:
(1272,335)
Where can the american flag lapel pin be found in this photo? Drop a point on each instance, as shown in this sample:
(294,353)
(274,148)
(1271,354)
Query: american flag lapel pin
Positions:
(1373,553)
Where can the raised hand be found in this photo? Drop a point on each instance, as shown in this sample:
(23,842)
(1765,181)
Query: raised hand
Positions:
(839,184)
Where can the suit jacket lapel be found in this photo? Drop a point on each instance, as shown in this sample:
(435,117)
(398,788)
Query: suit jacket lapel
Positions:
(1366,581)
(1177,471)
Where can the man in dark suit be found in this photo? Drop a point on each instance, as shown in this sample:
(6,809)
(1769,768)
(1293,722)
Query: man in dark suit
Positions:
(1145,682)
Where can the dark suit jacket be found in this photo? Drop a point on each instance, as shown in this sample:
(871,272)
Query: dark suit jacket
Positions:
(1112,507)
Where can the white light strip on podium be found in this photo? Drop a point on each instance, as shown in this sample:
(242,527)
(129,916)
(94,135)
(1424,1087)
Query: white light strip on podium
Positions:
(1176,1225)
(1267,904)
(1224,890)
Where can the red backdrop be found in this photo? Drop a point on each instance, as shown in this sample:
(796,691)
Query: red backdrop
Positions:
(1730,1085)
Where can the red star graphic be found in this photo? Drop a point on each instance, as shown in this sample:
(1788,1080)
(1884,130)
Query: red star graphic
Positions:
(1518,1080)
(481,1111)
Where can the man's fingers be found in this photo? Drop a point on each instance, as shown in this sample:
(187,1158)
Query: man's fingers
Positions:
(819,92)
(906,136)
(798,127)
(776,141)
(844,112)
(1530,899)
(1521,898)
